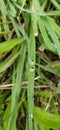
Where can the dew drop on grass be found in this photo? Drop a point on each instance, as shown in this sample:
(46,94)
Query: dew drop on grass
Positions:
(33,98)
(30,116)
(28,94)
(55,46)
(31,62)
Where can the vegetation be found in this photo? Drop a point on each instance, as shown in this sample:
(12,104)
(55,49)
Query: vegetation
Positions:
(29,64)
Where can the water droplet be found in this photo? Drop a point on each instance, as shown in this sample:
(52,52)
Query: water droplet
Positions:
(55,46)
(30,116)
(28,94)
(33,97)
(31,69)
(36,33)
(31,62)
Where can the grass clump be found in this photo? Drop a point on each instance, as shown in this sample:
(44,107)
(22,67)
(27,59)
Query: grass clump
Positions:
(29,64)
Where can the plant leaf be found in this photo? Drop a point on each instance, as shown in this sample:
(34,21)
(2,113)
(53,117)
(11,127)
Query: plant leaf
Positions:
(8,45)
(46,119)
(53,67)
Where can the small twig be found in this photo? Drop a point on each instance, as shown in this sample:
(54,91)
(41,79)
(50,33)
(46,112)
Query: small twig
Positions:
(48,103)
(8,86)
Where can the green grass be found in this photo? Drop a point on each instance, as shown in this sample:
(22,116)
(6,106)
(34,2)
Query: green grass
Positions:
(29,64)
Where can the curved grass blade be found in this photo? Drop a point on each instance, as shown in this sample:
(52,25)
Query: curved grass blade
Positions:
(56,4)
(8,62)
(8,45)
(54,25)
(52,34)
(45,36)
(53,67)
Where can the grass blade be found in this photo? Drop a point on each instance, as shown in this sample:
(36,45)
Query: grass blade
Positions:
(53,67)
(54,25)
(8,45)
(46,119)
(45,36)
(56,4)
(8,62)
(31,72)
(52,35)
(16,91)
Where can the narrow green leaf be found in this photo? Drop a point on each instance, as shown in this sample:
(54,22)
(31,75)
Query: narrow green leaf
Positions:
(31,73)
(3,7)
(52,34)
(8,62)
(15,26)
(45,36)
(6,115)
(17,89)
(11,8)
(34,19)
(56,4)
(53,67)
(54,25)
(8,45)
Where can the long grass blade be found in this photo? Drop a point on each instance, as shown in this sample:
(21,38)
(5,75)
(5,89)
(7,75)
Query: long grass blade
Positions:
(17,89)
(8,45)
(45,36)
(52,34)
(31,73)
